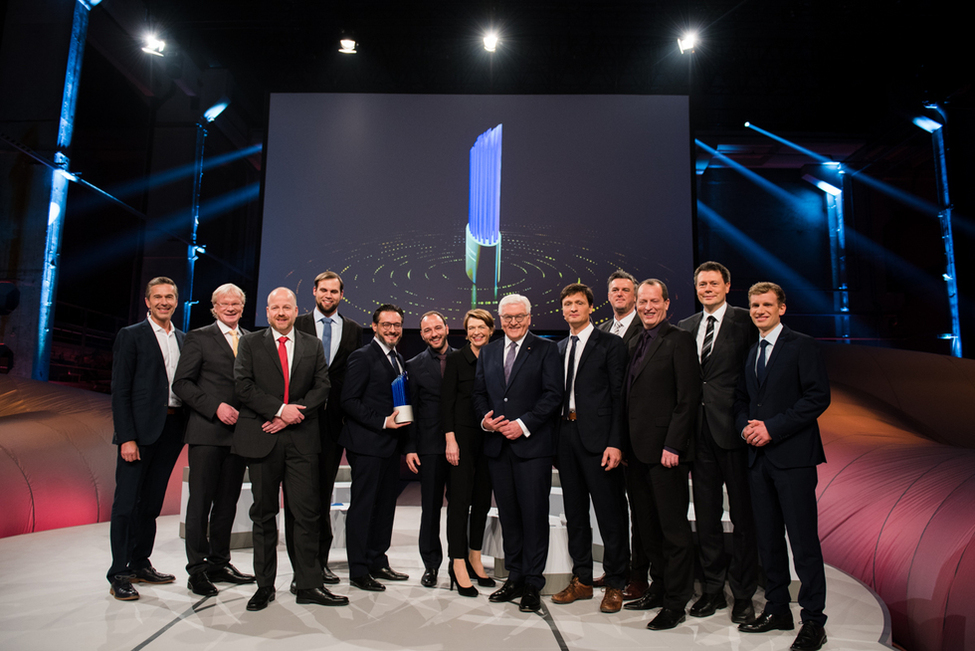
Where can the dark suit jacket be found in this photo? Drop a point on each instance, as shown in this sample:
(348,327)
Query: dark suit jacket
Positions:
(457,393)
(140,386)
(636,327)
(533,394)
(599,390)
(794,394)
(720,373)
(259,382)
(663,400)
(205,378)
(368,399)
(426,435)
(331,423)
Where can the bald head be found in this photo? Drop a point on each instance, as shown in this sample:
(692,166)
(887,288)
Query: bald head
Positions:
(282,309)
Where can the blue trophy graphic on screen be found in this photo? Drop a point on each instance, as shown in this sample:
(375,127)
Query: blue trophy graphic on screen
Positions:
(483,251)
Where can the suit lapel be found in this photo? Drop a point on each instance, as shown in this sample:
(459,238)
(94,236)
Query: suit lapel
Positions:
(779,343)
(271,347)
(651,349)
(590,345)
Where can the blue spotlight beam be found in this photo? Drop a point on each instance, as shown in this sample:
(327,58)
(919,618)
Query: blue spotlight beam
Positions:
(763,183)
(59,191)
(192,249)
(762,257)
(943,213)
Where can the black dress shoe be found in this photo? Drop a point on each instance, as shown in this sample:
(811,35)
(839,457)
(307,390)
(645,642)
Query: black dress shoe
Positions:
(648,601)
(261,599)
(149,575)
(201,585)
(708,604)
(530,600)
(667,618)
(429,578)
(388,574)
(122,588)
(321,596)
(769,622)
(229,574)
(508,592)
(743,611)
(483,581)
(366,582)
(328,576)
(294,588)
(811,637)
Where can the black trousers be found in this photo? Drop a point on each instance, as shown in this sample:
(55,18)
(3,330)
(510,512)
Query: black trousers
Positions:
(328,468)
(582,477)
(639,563)
(469,496)
(434,476)
(140,487)
(660,504)
(714,467)
(298,473)
(215,480)
(521,488)
(369,522)
(785,500)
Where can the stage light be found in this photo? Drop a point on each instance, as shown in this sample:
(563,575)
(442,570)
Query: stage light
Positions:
(491,41)
(154,45)
(687,43)
(927,124)
(214,111)
(347,46)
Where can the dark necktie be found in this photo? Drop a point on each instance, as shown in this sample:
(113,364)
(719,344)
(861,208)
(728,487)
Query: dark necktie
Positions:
(760,367)
(393,361)
(641,351)
(327,337)
(442,358)
(708,339)
(283,355)
(570,376)
(509,362)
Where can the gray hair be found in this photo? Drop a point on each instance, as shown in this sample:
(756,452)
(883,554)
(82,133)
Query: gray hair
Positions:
(515,298)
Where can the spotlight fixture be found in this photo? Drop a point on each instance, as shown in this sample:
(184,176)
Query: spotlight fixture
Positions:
(154,46)
(348,46)
(927,124)
(214,111)
(491,41)
(687,43)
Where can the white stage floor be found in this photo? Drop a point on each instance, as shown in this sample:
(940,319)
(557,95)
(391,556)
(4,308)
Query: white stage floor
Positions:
(53,595)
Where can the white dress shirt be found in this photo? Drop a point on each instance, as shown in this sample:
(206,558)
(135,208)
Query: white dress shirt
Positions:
(169,348)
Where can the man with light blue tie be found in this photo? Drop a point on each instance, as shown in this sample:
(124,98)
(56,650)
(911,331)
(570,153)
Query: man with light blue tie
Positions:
(339,336)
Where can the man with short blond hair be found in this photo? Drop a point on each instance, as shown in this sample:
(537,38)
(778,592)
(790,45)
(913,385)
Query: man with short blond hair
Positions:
(205,383)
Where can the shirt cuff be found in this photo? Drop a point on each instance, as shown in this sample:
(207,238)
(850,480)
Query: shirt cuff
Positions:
(524,429)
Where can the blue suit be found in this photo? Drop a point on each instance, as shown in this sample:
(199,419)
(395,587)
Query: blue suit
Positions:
(521,470)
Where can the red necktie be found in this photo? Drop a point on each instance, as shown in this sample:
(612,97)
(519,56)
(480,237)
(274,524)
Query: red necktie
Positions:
(283,354)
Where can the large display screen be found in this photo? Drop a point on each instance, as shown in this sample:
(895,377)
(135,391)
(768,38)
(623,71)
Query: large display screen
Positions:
(451,201)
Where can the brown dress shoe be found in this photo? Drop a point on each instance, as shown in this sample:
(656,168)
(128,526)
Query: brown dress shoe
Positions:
(575,590)
(612,600)
(600,581)
(635,589)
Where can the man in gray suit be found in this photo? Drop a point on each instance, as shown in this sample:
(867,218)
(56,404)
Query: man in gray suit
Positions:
(723,336)
(204,381)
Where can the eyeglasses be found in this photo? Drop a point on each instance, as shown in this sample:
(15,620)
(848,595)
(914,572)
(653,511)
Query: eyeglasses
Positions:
(513,318)
(225,305)
(390,326)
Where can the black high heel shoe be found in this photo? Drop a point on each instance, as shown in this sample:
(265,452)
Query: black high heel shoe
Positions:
(469,591)
(483,581)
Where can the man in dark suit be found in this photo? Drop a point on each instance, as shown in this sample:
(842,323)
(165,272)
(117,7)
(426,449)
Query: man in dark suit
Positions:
(517,395)
(723,336)
(341,336)
(149,425)
(781,394)
(590,450)
(663,394)
(372,443)
(626,324)
(205,383)
(426,446)
(281,381)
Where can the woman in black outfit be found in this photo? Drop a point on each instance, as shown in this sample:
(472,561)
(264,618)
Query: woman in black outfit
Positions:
(470,485)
